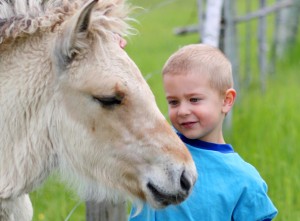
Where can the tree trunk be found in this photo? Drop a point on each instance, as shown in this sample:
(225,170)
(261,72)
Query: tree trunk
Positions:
(212,23)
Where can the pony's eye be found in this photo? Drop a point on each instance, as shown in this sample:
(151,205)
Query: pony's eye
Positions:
(71,56)
(109,101)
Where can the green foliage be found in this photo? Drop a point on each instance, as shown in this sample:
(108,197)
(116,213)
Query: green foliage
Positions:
(265,128)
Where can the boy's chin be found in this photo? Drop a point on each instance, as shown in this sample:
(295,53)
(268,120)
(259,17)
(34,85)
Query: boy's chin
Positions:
(192,136)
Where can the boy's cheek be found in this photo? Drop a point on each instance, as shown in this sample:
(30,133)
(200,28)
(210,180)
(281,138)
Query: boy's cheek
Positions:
(173,118)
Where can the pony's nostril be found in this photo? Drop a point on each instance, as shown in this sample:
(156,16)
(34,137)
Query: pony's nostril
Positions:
(184,182)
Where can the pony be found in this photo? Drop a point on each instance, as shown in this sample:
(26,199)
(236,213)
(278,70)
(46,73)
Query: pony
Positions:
(73,102)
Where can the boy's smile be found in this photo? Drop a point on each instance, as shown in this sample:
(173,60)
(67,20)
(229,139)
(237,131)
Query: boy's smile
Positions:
(195,108)
(188,124)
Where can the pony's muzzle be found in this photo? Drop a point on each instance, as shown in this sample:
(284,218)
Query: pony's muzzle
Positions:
(185,182)
(178,191)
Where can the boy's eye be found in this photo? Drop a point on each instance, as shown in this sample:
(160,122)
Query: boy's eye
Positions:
(194,100)
(172,102)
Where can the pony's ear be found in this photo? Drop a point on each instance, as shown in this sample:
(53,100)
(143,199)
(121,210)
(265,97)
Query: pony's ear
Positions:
(67,46)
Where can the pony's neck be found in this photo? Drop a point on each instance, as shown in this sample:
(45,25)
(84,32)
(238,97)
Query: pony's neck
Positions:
(26,89)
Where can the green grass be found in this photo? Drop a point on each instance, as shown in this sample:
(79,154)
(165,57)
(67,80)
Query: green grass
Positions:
(266,126)
(266,133)
(156,41)
(53,202)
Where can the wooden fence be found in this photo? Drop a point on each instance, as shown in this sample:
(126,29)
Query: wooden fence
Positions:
(217,26)
(106,211)
(218,21)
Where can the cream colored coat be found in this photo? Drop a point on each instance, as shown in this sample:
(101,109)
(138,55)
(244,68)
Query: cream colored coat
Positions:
(71,100)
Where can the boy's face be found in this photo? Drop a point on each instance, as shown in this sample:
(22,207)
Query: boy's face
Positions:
(195,109)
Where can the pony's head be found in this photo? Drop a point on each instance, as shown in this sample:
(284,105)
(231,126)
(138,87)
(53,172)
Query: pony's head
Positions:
(89,111)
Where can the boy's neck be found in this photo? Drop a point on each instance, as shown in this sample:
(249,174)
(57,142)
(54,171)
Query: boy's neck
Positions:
(217,139)
(206,145)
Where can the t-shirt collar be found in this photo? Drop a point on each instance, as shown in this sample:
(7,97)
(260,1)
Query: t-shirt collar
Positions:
(223,148)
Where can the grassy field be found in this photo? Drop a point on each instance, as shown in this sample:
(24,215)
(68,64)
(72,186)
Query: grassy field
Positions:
(266,126)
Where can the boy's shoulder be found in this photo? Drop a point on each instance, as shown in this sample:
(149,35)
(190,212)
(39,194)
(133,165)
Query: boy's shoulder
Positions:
(231,164)
(246,172)
(221,160)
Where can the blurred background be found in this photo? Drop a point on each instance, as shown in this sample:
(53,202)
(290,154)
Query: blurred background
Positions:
(261,39)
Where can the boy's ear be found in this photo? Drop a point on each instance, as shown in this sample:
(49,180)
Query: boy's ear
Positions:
(229,99)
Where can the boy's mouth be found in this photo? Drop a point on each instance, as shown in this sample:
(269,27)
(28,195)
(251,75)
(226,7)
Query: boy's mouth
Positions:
(188,124)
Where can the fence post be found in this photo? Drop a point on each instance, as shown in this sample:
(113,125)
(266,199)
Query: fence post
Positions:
(262,51)
(230,39)
(200,18)
(230,49)
(288,20)
(106,211)
(248,47)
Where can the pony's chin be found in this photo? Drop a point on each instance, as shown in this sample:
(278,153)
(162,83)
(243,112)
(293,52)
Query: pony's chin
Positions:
(98,193)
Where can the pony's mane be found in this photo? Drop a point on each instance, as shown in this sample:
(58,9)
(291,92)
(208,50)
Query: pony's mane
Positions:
(21,17)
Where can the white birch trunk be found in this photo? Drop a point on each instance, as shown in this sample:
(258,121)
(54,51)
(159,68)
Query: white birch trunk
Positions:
(212,23)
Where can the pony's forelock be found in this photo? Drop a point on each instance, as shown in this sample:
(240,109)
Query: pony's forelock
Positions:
(26,17)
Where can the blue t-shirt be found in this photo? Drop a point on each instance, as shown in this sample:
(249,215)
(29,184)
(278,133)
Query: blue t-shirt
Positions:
(228,188)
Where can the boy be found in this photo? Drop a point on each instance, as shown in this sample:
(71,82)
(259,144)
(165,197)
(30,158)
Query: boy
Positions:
(199,90)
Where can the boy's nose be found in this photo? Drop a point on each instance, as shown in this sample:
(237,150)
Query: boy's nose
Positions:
(183,110)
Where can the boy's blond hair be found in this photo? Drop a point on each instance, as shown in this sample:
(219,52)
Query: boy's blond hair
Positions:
(200,59)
